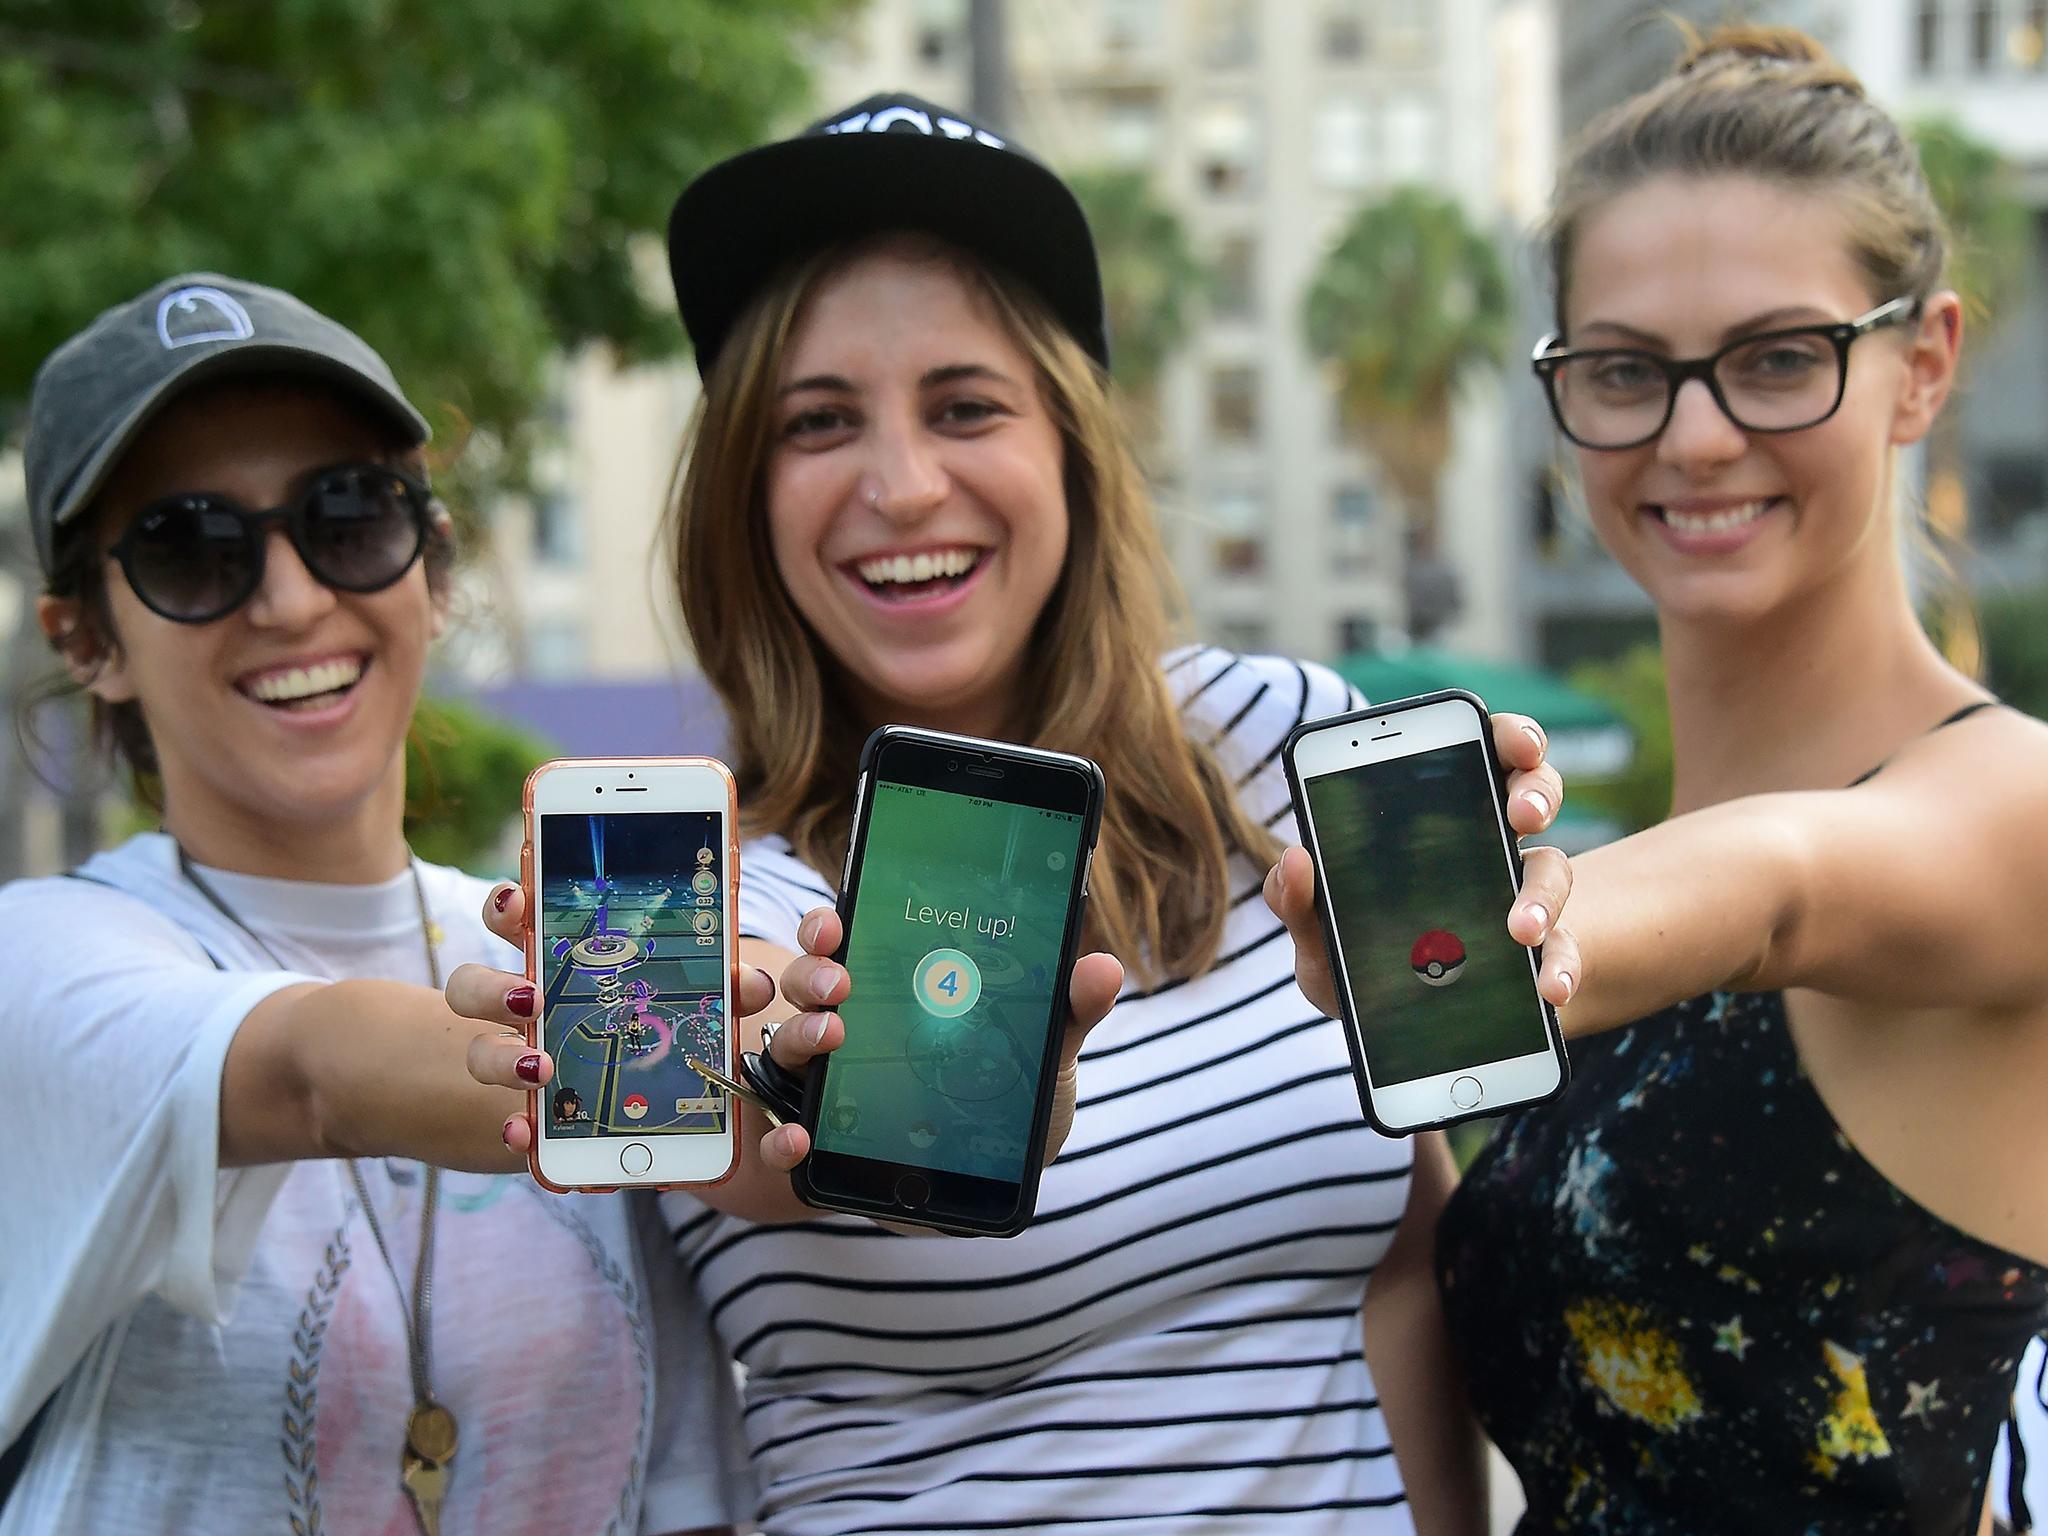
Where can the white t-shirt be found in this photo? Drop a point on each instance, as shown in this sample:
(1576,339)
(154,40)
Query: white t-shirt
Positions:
(226,1345)
(1174,1344)
(2030,1418)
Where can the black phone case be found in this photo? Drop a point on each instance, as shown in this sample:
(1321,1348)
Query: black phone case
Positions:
(1041,1113)
(1353,1034)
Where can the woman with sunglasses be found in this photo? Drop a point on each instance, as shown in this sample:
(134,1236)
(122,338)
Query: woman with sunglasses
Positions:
(238,1293)
(908,497)
(1769,1263)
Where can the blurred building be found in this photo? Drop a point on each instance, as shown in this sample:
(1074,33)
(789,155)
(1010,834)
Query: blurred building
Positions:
(1983,63)
(1263,126)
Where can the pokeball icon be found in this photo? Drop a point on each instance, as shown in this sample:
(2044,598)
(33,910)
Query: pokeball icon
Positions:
(1438,958)
(635,1106)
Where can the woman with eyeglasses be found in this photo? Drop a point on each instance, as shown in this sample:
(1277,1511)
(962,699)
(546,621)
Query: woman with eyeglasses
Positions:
(240,1292)
(1769,1263)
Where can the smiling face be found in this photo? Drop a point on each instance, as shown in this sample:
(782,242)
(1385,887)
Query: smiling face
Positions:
(1712,521)
(916,504)
(291,711)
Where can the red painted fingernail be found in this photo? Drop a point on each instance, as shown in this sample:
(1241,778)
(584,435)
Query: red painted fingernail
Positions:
(506,1134)
(528,1068)
(520,1001)
(504,897)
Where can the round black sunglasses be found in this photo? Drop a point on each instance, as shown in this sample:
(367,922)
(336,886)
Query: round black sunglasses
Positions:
(198,556)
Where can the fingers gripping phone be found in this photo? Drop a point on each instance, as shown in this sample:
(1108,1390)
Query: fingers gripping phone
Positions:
(966,878)
(1403,808)
(629,868)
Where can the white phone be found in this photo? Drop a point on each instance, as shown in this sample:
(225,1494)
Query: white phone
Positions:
(629,869)
(1403,808)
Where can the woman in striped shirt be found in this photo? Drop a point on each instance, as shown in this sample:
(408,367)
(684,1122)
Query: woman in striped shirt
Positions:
(909,498)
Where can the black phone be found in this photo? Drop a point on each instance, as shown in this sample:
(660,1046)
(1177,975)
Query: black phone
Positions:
(1403,808)
(962,899)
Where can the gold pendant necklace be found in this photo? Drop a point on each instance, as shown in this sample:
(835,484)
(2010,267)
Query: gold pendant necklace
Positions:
(431,1433)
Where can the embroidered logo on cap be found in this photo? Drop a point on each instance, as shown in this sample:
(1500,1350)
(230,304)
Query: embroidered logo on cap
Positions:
(193,315)
(910,119)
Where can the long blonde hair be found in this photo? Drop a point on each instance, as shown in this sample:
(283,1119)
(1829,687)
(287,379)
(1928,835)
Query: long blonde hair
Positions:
(1170,822)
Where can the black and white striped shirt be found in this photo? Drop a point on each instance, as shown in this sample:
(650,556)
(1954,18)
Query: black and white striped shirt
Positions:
(1175,1342)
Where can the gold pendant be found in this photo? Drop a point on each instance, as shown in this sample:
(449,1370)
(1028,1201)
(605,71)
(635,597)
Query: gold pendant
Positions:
(430,1433)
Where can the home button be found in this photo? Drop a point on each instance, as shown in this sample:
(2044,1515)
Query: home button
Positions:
(1466,1092)
(912,1190)
(635,1158)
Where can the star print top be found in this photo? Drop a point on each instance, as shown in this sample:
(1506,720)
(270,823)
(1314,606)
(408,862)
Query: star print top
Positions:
(1686,1303)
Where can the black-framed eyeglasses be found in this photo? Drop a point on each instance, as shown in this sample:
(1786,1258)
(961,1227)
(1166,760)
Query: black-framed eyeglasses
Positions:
(197,557)
(1775,381)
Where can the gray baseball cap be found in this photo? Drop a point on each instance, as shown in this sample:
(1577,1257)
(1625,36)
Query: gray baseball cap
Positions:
(99,389)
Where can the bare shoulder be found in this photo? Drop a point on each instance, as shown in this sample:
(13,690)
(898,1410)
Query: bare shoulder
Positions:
(1996,762)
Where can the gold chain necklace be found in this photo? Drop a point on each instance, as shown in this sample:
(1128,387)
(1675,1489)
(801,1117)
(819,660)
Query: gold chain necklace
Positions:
(430,1428)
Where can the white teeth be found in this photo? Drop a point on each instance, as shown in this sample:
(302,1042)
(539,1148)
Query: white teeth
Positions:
(926,565)
(1715,522)
(306,682)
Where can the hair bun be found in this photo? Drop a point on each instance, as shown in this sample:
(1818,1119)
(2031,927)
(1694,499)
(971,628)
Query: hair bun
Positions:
(1734,45)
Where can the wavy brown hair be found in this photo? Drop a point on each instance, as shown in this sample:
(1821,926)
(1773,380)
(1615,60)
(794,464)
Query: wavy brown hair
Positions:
(1170,823)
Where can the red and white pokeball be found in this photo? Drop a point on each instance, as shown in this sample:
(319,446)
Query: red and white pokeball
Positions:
(1438,958)
(635,1106)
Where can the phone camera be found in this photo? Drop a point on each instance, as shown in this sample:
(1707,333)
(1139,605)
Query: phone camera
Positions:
(952,765)
(600,789)
(1354,741)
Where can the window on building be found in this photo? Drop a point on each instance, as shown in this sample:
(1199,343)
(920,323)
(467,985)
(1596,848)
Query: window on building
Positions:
(1131,129)
(1227,147)
(1234,404)
(556,530)
(1239,545)
(1927,35)
(1407,31)
(1354,527)
(1227,33)
(1130,26)
(1341,146)
(2028,41)
(1357,632)
(1236,272)
(1346,38)
(1410,130)
(941,30)
(555,648)
(1983,34)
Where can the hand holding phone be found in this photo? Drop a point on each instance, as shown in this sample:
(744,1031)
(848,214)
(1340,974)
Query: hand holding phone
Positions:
(960,909)
(629,870)
(1399,926)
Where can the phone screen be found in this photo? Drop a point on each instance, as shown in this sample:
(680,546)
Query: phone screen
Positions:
(955,952)
(633,971)
(1411,854)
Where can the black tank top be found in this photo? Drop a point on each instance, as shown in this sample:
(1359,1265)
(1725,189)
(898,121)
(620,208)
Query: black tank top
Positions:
(1685,1303)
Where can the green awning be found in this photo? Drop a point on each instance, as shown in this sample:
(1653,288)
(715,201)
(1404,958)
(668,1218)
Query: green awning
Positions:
(1587,738)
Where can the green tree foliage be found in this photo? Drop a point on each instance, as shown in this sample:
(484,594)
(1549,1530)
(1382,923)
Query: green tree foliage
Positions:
(1151,277)
(466,182)
(1992,231)
(1632,685)
(1410,303)
(2015,628)
(464,773)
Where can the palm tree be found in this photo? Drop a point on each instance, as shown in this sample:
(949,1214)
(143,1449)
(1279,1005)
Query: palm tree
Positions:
(1410,302)
(1152,280)
(1991,242)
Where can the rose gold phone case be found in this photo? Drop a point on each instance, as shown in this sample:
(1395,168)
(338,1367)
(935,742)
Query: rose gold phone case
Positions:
(732,886)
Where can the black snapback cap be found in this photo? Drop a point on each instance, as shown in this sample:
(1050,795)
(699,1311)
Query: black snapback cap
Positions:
(887,163)
(102,387)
